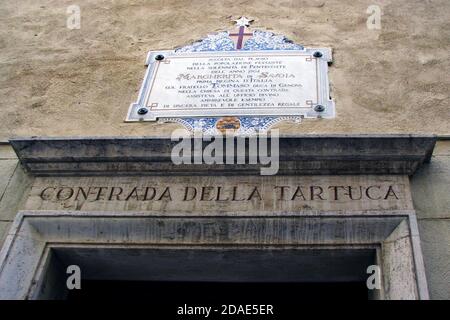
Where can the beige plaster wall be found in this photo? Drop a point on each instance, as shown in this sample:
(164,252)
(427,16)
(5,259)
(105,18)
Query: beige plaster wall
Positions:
(58,82)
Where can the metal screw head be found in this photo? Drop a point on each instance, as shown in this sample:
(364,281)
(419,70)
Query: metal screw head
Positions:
(319,108)
(159,57)
(142,111)
(317,54)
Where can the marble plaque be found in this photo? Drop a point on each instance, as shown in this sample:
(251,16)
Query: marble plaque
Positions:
(239,83)
(246,80)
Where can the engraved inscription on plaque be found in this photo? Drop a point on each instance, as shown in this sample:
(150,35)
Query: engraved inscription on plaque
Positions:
(239,83)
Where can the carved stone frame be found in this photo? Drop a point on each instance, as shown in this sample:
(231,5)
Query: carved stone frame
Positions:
(25,255)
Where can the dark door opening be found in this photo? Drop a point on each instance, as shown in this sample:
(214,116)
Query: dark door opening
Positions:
(214,275)
(217,292)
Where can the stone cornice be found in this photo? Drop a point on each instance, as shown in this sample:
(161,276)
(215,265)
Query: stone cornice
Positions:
(299,155)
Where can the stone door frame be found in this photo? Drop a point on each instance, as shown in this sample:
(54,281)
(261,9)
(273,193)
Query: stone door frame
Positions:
(25,254)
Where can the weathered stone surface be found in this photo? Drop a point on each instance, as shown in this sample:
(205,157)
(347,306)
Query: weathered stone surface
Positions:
(7,152)
(13,183)
(435,238)
(430,188)
(4,227)
(7,168)
(442,147)
(15,195)
(398,265)
(309,154)
(430,193)
(209,195)
(24,258)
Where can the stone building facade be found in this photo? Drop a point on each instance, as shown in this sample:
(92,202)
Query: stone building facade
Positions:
(80,186)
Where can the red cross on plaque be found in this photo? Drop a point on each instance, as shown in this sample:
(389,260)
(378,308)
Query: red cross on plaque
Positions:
(239,37)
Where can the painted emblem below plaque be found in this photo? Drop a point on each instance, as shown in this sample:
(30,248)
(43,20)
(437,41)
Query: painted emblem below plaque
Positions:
(245,81)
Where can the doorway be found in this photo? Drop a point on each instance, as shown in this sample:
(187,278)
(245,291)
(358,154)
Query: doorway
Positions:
(179,293)
(212,275)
